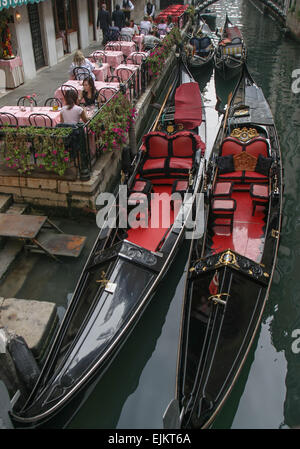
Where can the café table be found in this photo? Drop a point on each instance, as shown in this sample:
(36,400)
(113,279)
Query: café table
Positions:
(78,85)
(126,47)
(124,74)
(13,69)
(113,58)
(23,114)
(138,58)
(101,73)
(139,39)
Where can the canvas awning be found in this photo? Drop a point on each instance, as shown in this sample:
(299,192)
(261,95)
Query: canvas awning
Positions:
(188,105)
(5,4)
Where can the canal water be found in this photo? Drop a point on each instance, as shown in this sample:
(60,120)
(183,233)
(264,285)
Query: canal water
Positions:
(137,388)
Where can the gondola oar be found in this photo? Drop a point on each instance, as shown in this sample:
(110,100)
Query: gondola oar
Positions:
(162,108)
(226,115)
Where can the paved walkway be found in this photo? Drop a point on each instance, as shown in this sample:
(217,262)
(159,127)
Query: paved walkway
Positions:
(47,80)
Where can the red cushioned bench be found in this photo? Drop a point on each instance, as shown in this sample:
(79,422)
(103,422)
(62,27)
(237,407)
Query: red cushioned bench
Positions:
(169,156)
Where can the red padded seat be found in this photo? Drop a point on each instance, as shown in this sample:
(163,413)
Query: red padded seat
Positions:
(154,166)
(183,146)
(178,163)
(243,176)
(231,145)
(257,146)
(234,176)
(260,195)
(255,176)
(223,189)
(156,144)
(223,210)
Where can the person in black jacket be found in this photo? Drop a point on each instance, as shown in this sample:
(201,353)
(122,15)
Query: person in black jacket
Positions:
(104,21)
(118,17)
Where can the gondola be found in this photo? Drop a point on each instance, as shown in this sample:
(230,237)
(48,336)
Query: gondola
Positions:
(201,48)
(127,261)
(231,51)
(232,264)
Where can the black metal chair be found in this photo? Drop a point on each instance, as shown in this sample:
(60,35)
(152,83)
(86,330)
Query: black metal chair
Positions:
(136,58)
(43,118)
(99,54)
(124,73)
(25,99)
(113,79)
(104,91)
(52,101)
(11,119)
(80,73)
(65,87)
(112,46)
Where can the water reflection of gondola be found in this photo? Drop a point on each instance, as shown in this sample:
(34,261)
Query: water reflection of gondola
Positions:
(223,89)
(148,340)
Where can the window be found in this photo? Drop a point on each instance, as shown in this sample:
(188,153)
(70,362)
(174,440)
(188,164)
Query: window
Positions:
(65,16)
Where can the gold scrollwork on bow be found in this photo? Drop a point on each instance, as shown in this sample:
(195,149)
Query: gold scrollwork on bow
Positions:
(244,134)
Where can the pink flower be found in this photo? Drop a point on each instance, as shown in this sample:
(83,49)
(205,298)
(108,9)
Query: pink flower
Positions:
(7,158)
(43,154)
(66,159)
(36,155)
(54,152)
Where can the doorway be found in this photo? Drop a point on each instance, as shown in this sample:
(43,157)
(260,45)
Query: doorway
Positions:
(37,44)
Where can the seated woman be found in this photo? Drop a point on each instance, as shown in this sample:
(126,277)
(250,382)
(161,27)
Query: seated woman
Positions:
(134,26)
(89,93)
(162,27)
(170,23)
(72,113)
(80,61)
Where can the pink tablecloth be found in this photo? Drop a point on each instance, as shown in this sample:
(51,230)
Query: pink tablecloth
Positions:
(139,57)
(124,74)
(78,85)
(139,41)
(101,73)
(126,47)
(23,116)
(113,58)
(11,63)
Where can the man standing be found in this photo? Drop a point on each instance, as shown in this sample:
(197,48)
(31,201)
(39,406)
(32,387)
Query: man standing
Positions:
(118,17)
(104,21)
(127,7)
(149,9)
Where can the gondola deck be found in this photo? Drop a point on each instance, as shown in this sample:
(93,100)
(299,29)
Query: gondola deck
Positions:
(248,233)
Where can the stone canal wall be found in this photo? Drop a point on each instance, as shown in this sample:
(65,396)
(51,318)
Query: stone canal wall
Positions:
(55,192)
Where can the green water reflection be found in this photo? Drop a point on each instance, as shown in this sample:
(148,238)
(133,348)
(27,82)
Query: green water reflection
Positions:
(139,385)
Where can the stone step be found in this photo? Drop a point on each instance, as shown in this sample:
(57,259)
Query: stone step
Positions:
(9,252)
(17,209)
(5,202)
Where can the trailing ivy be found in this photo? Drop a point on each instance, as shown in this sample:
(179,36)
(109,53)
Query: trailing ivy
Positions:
(27,148)
(111,124)
(159,54)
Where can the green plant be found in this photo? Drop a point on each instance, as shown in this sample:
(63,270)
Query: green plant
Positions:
(27,148)
(111,124)
(158,56)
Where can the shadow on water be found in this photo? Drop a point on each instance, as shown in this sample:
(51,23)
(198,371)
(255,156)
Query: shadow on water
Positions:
(136,389)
